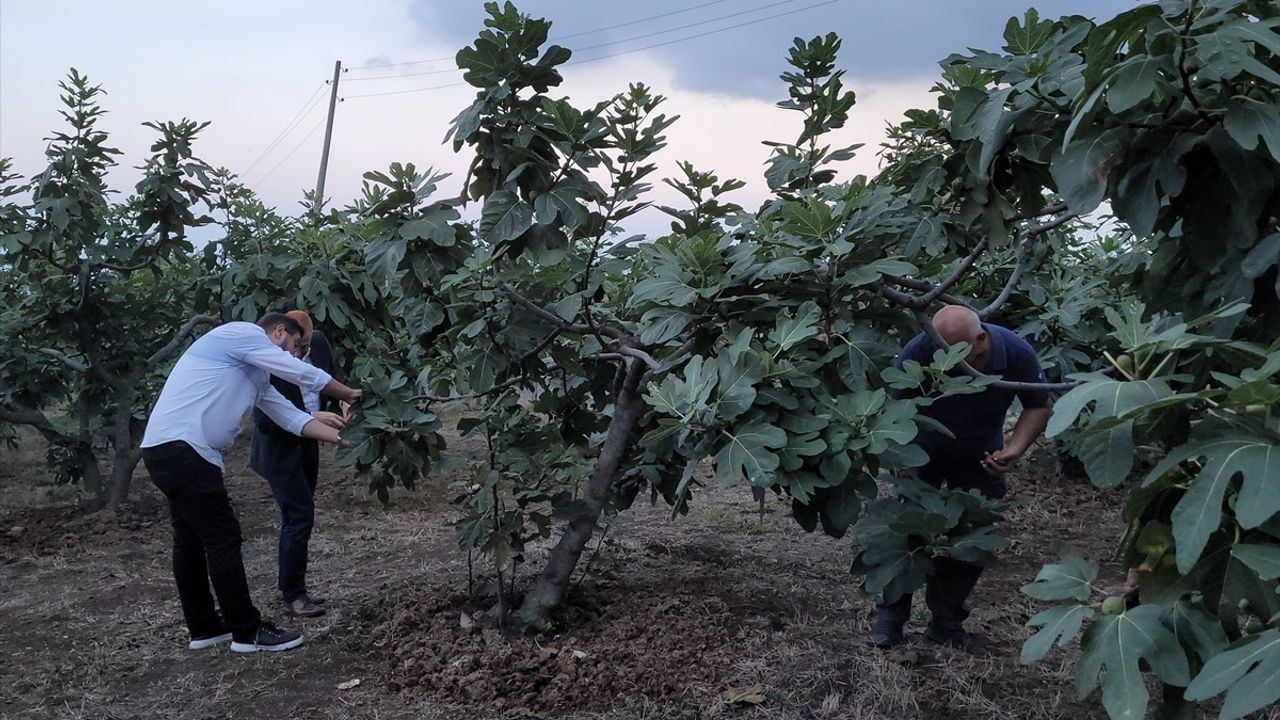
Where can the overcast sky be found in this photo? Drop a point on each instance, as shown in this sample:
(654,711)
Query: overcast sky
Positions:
(251,67)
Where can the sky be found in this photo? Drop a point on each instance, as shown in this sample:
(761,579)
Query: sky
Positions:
(257,71)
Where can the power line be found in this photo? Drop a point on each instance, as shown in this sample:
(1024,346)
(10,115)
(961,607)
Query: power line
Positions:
(295,149)
(306,108)
(605,44)
(674,41)
(402,92)
(659,16)
(404,75)
(686,27)
(703,34)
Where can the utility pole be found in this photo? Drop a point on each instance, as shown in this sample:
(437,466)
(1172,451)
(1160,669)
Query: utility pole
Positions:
(328,133)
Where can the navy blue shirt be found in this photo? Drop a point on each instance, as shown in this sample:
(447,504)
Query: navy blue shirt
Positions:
(977,420)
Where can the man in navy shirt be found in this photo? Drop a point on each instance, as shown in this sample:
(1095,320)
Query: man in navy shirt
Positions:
(976,459)
(291,467)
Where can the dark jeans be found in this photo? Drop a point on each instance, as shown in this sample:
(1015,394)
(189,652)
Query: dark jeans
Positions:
(206,542)
(294,487)
(953,581)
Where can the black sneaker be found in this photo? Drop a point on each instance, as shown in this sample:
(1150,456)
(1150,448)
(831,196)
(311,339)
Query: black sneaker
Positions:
(886,631)
(269,638)
(202,641)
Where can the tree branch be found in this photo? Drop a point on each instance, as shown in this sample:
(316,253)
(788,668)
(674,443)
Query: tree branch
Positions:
(1048,225)
(668,362)
(906,300)
(646,358)
(925,286)
(471,396)
(37,420)
(932,333)
(1053,209)
(66,360)
(140,265)
(187,328)
(556,320)
(957,273)
(1024,260)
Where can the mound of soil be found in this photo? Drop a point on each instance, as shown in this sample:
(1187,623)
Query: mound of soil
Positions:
(660,642)
(53,530)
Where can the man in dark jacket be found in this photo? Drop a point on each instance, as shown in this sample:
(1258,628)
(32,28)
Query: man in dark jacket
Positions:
(291,466)
(976,458)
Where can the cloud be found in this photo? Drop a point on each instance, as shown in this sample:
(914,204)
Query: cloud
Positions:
(248,67)
(884,41)
(716,131)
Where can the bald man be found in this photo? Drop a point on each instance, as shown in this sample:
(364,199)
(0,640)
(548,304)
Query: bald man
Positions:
(976,459)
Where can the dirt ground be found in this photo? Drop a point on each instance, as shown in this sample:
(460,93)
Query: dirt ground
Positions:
(718,614)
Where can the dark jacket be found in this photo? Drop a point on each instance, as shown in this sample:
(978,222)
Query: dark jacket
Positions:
(275,450)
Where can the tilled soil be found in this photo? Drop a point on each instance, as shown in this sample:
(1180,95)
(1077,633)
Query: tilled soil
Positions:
(618,645)
(722,613)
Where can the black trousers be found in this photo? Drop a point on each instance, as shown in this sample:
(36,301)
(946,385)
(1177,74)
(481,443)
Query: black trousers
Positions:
(294,486)
(948,589)
(206,542)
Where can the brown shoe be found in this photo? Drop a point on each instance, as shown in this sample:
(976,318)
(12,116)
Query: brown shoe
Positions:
(303,607)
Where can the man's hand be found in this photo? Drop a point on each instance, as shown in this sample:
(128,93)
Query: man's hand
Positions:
(333,420)
(341,392)
(319,430)
(1001,461)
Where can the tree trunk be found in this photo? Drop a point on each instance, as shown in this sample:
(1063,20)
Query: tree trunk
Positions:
(122,478)
(95,489)
(552,584)
(125,456)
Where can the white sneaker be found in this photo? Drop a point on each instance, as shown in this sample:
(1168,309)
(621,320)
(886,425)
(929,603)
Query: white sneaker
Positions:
(200,643)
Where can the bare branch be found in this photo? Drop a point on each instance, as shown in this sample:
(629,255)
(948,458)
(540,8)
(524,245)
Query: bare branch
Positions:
(66,360)
(37,420)
(906,300)
(925,286)
(1024,261)
(1053,209)
(637,353)
(471,396)
(556,320)
(1048,225)
(957,273)
(933,293)
(183,332)
(668,362)
(133,267)
(932,333)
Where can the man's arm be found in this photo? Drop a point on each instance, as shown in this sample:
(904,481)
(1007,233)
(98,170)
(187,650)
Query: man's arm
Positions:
(338,391)
(261,353)
(1030,424)
(324,426)
(322,357)
(1031,421)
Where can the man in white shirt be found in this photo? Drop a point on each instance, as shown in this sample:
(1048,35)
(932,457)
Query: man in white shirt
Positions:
(197,416)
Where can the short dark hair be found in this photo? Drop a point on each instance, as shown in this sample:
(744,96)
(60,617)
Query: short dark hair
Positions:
(269,322)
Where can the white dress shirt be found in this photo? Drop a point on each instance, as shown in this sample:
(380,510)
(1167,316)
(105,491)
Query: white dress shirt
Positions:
(218,380)
(310,398)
